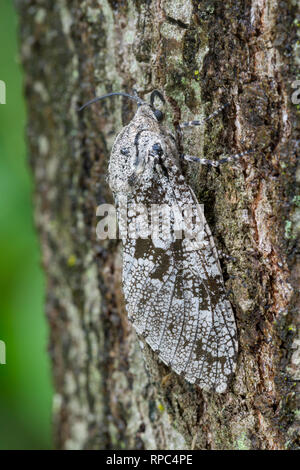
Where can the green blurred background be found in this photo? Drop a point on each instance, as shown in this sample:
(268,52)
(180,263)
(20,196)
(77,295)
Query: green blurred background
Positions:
(25,382)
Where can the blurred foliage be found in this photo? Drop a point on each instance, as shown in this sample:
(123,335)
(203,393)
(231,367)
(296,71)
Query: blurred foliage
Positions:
(25,385)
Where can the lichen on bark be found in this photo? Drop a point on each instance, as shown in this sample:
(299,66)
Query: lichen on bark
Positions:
(199,54)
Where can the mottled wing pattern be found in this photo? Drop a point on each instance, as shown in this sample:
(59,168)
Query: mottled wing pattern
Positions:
(175,300)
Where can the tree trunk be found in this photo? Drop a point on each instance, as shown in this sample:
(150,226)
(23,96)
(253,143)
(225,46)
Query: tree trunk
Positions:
(200,54)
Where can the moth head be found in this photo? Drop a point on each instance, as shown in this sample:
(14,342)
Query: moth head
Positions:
(136,156)
(139,148)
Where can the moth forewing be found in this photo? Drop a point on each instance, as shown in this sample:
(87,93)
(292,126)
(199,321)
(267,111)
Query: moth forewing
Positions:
(173,286)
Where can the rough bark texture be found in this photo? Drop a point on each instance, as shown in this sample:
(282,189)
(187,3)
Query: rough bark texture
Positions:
(200,54)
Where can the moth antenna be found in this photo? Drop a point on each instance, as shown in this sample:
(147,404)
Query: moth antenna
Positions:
(94,100)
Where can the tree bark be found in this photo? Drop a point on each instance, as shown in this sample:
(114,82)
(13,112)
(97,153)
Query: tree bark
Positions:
(200,54)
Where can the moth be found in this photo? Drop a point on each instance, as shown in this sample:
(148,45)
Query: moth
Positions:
(174,295)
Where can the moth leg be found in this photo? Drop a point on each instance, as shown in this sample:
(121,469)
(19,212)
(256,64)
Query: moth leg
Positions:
(215,163)
(182,125)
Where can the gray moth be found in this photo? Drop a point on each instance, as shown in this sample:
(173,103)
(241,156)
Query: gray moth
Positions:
(174,295)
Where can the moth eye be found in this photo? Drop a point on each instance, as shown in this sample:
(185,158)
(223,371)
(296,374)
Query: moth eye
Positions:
(125,151)
(157,150)
(158,114)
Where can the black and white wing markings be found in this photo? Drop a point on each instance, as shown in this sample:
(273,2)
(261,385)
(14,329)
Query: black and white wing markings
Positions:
(179,321)
(156,305)
(175,299)
(221,352)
